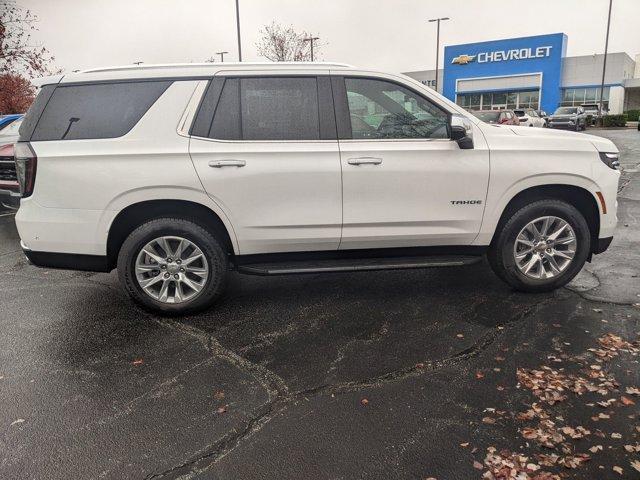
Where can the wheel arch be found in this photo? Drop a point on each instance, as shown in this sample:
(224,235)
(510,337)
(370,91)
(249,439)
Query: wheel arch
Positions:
(581,198)
(138,213)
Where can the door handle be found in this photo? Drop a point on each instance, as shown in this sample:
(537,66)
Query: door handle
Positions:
(365,161)
(227,163)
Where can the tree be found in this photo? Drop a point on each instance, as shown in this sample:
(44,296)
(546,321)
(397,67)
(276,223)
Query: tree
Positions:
(18,54)
(280,44)
(16,93)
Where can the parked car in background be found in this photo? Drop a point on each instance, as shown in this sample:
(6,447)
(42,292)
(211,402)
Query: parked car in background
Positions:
(593,110)
(499,117)
(9,187)
(529,118)
(268,170)
(8,119)
(543,115)
(572,118)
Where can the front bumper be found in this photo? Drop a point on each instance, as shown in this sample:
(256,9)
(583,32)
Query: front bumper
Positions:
(560,124)
(602,245)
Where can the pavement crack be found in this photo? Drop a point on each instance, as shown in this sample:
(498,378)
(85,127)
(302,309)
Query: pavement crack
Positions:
(283,398)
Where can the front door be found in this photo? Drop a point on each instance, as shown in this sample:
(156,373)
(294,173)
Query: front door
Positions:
(405,183)
(269,158)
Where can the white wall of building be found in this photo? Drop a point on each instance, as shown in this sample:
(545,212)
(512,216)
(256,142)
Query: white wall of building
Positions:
(616,100)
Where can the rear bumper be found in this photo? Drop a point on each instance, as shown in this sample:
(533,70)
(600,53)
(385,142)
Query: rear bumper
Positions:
(67,261)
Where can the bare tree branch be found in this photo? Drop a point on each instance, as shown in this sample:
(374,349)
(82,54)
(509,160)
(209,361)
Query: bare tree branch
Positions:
(284,44)
(18,54)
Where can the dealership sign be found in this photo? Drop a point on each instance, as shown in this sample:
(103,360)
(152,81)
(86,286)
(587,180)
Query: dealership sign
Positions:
(504,55)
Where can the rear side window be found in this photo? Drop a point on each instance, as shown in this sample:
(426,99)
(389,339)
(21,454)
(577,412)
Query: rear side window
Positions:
(105,110)
(34,112)
(269,108)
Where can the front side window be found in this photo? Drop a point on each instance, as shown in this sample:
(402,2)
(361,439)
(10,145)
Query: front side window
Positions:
(98,110)
(384,110)
(267,108)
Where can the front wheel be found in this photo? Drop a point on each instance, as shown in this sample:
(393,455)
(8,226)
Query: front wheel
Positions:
(541,247)
(172,266)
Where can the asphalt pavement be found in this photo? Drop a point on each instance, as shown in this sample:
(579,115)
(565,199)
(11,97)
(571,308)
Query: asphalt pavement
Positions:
(441,373)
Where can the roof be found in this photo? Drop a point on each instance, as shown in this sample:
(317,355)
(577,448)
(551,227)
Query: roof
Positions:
(187,70)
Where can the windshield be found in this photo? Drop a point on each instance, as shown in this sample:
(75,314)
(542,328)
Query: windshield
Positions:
(566,111)
(11,129)
(519,113)
(487,116)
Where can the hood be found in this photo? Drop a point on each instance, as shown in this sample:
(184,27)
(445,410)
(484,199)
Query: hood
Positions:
(600,144)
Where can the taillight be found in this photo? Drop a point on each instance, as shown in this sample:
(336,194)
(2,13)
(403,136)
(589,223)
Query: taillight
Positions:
(26,164)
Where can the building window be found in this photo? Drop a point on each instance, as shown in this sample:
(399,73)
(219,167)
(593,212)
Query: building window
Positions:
(573,97)
(499,101)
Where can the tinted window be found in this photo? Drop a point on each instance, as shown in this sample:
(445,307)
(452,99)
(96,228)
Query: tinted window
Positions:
(268,108)
(105,110)
(385,110)
(34,112)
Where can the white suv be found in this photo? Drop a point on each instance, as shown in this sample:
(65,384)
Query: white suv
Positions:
(177,174)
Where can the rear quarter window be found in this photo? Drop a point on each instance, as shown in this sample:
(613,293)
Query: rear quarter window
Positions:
(93,111)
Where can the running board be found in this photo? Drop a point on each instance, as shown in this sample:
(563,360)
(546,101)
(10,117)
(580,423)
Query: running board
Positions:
(357,265)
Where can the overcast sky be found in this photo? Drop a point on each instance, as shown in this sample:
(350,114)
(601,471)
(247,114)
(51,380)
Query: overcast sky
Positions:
(390,35)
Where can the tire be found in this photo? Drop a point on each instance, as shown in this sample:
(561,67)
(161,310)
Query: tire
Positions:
(501,253)
(206,247)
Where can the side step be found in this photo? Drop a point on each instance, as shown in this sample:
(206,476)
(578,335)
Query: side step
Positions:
(357,265)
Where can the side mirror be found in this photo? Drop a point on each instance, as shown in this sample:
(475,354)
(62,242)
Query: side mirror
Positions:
(462,131)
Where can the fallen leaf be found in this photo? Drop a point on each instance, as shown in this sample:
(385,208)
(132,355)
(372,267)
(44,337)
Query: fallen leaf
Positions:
(489,420)
(627,400)
(477,465)
(219,395)
(464,445)
(616,435)
(596,449)
(139,361)
(460,335)
(479,375)
(221,410)
(618,470)
(15,422)
(636,464)
(364,401)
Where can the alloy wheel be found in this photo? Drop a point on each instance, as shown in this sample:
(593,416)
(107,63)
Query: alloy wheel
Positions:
(171,269)
(545,247)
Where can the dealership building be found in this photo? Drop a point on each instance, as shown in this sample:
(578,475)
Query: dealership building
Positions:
(533,72)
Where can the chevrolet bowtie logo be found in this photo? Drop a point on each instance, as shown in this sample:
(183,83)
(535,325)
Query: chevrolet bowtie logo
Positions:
(463,59)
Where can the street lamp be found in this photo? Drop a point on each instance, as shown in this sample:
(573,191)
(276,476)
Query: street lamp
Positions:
(221,55)
(311,39)
(604,63)
(238,29)
(438,44)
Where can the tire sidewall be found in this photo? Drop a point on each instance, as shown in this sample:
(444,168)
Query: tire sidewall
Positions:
(216,259)
(512,228)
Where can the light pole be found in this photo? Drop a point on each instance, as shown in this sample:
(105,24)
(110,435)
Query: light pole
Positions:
(221,55)
(604,63)
(238,28)
(438,44)
(311,39)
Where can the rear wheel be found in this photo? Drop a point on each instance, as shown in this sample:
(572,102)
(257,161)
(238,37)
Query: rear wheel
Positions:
(172,266)
(541,247)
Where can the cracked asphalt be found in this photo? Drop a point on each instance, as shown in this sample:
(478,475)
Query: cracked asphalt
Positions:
(332,376)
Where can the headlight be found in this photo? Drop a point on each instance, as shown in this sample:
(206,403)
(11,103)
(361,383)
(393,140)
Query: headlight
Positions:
(611,160)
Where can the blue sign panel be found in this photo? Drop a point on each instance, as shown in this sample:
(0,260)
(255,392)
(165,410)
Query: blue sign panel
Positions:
(541,55)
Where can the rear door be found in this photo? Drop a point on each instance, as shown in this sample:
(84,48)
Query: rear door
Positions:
(405,183)
(266,151)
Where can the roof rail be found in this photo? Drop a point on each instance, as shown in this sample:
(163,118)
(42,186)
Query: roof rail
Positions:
(201,65)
